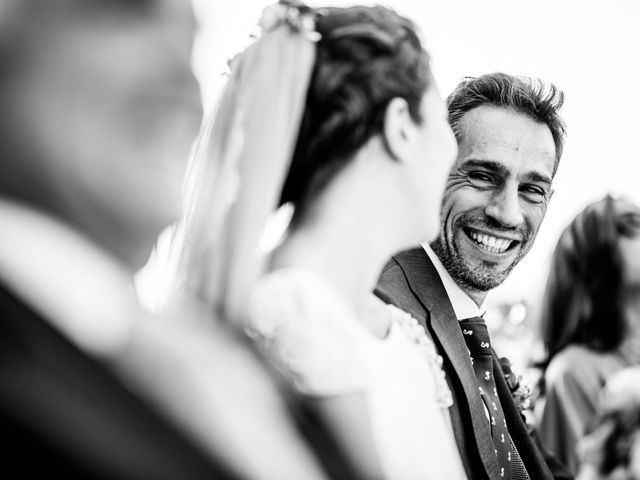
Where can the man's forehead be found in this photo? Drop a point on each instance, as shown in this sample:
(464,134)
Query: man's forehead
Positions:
(502,135)
(508,154)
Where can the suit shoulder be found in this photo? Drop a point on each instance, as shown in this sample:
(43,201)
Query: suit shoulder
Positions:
(392,264)
(392,276)
(393,287)
(398,262)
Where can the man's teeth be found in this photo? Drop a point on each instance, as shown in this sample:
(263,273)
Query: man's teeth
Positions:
(492,244)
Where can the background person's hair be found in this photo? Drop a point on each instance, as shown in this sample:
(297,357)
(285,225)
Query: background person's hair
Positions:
(530,96)
(366,57)
(584,297)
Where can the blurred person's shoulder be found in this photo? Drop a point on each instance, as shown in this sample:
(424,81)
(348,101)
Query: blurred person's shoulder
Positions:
(578,364)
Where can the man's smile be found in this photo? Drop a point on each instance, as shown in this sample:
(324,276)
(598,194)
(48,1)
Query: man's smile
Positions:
(491,242)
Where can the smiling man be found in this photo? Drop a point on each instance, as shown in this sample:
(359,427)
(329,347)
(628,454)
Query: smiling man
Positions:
(510,138)
(497,192)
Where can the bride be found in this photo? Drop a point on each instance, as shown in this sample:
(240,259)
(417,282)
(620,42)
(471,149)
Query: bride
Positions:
(335,113)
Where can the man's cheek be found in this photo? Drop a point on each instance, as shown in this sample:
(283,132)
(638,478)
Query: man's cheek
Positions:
(447,197)
(455,181)
(535,219)
(450,229)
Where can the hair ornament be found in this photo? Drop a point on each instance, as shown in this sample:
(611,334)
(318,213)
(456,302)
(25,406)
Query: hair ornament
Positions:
(292,14)
(364,30)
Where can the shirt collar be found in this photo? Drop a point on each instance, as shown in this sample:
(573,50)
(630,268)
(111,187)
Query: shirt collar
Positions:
(73,284)
(463,306)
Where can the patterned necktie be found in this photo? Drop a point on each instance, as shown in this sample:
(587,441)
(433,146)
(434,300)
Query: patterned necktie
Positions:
(476,336)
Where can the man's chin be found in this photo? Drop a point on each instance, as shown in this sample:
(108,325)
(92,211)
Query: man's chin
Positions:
(471,274)
(482,275)
(480,281)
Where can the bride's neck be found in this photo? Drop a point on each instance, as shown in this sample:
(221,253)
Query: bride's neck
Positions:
(345,264)
(347,246)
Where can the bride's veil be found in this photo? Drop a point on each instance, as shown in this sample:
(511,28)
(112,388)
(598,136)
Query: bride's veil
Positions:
(240,162)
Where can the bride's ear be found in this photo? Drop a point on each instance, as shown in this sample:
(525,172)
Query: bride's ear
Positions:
(399,129)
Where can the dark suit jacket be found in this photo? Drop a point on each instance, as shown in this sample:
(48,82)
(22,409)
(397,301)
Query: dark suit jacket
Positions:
(411,282)
(64,413)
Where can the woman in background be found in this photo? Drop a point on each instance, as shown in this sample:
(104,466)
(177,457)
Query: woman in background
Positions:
(590,319)
(611,450)
(335,113)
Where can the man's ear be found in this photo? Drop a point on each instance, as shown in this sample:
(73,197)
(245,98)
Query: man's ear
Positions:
(399,129)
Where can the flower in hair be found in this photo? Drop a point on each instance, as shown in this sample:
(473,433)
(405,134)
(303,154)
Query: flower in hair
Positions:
(291,14)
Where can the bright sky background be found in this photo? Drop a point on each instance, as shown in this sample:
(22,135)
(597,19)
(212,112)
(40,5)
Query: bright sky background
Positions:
(588,48)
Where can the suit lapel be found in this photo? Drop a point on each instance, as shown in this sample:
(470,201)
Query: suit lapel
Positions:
(426,285)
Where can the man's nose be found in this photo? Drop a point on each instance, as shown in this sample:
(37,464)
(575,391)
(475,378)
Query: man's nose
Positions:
(505,207)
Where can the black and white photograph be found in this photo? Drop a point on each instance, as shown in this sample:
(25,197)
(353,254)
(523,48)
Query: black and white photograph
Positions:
(319,240)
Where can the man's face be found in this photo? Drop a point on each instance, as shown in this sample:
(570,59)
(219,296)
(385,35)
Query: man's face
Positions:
(109,106)
(496,195)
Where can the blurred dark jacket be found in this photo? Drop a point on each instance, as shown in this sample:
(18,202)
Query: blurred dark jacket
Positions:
(64,413)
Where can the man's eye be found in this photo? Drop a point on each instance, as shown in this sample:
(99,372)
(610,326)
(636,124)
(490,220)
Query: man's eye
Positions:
(533,193)
(480,177)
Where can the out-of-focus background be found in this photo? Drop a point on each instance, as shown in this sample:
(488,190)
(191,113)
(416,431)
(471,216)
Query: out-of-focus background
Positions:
(587,48)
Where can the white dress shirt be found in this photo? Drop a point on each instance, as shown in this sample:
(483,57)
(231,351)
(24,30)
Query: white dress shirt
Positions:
(463,306)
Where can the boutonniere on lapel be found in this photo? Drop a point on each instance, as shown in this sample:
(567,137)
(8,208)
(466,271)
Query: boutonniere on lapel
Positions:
(520,390)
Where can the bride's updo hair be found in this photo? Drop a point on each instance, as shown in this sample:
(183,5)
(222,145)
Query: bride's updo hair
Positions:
(366,57)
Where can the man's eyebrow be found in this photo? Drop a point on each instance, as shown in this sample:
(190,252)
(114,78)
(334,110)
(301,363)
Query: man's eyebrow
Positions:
(486,164)
(538,177)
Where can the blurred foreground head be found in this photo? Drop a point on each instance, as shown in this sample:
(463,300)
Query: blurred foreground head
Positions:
(99,109)
(595,271)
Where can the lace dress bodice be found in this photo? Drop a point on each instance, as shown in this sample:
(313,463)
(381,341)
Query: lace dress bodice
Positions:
(322,348)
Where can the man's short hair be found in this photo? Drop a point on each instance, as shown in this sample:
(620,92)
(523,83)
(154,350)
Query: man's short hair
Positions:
(533,97)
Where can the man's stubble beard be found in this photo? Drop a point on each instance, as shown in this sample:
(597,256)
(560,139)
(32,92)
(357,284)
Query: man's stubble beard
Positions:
(468,277)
